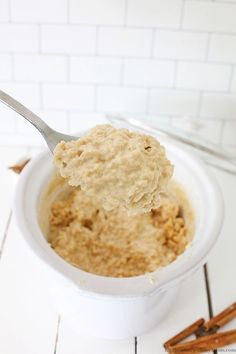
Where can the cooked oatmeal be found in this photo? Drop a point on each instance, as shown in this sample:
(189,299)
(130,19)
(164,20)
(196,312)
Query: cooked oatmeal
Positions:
(122,169)
(111,243)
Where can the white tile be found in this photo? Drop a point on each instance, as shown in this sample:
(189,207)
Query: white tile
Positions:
(15,139)
(23,127)
(233,83)
(222,48)
(85,120)
(27,94)
(7,119)
(18,38)
(5,67)
(95,70)
(4,10)
(218,106)
(68,39)
(145,72)
(40,68)
(55,119)
(125,41)
(103,12)
(203,76)
(43,11)
(159,13)
(210,16)
(121,99)
(68,97)
(229,133)
(180,45)
(173,102)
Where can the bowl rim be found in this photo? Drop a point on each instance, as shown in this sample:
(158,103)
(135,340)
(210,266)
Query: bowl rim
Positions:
(99,286)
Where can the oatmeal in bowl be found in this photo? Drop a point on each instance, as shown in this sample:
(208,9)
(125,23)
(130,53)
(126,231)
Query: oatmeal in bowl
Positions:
(120,214)
(112,243)
(50,214)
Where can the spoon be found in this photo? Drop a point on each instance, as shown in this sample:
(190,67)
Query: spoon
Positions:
(51,136)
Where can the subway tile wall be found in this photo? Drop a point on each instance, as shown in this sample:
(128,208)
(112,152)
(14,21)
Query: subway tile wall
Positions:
(73,60)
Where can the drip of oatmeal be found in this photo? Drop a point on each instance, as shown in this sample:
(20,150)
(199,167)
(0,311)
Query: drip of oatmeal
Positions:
(123,169)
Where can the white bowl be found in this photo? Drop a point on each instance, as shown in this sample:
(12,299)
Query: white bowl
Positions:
(120,307)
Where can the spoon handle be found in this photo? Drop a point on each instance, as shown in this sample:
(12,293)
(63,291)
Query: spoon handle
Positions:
(51,136)
(25,112)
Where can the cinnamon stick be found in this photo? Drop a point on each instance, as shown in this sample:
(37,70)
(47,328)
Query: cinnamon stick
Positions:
(206,343)
(17,168)
(184,333)
(222,318)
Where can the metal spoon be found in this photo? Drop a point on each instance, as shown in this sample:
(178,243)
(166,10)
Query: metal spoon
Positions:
(51,136)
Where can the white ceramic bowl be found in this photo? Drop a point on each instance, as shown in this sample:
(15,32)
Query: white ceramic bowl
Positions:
(120,307)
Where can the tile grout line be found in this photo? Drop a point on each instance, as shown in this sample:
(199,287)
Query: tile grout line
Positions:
(39,39)
(143,27)
(68,14)
(209,35)
(135,27)
(208,293)
(137,85)
(5,234)
(152,49)
(126,13)
(182,15)
(9,12)
(117,56)
(68,68)
(57,334)
(135,345)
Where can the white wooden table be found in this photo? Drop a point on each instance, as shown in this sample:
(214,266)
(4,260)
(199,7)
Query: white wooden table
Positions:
(29,324)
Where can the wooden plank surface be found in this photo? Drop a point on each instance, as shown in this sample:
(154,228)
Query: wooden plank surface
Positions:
(28,322)
(71,342)
(8,179)
(222,261)
(190,304)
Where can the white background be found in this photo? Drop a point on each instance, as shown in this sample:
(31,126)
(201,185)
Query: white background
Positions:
(76,59)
